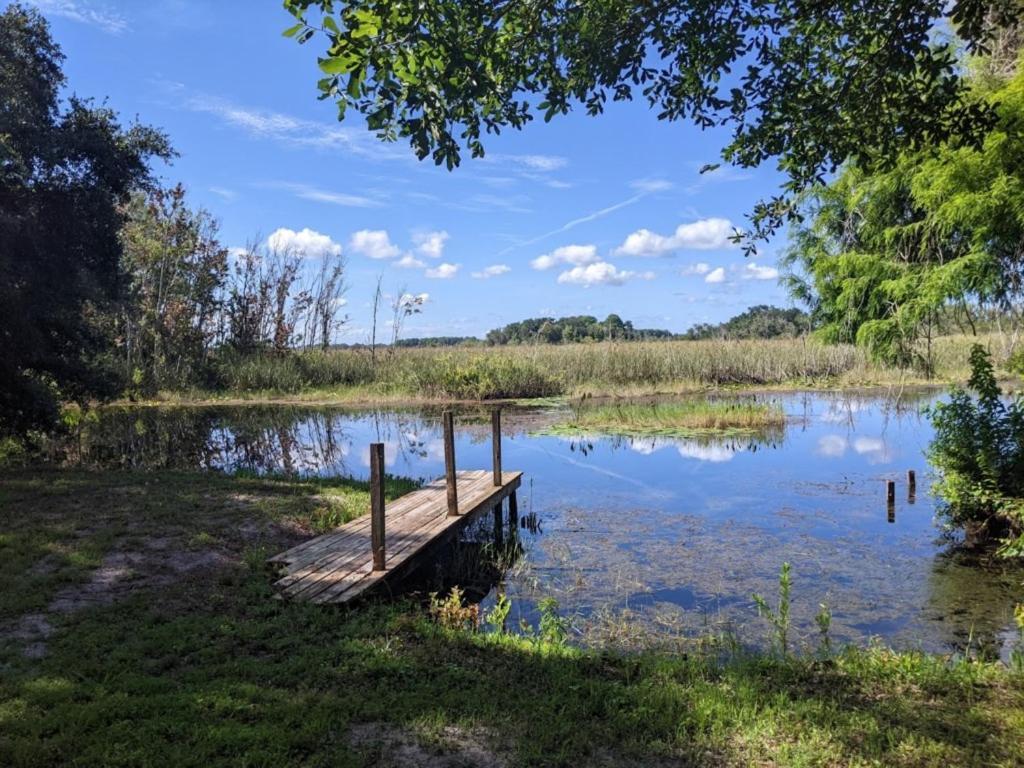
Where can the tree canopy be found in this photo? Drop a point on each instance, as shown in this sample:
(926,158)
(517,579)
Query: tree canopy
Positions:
(811,84)
(884,259)
(758,322)
(66,168)
(577,328)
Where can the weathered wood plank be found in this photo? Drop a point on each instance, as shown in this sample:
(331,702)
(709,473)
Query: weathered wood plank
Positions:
(408,503)
(336,575)
(345,555)
(339,566)
(413,549)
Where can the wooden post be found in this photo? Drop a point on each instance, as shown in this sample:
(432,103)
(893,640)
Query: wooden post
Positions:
(377,504)
(911,485)
(890,500)
(496,444)
(513,511)
(449,462)
(499,534)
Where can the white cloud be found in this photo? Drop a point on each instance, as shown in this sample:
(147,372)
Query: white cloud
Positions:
(702,235)
(578,255)
(84,12)
(227,194)
(833,446)
(430,244)
(408,261)
(700,268)
(306,242)
(754,271)
(492,271)
(874,449)
(651,185)
(532,162)
(374,243)
(295,131)
(716,454)
(443,271)
(598,273)
(415,298)
(306,192)
(715,276)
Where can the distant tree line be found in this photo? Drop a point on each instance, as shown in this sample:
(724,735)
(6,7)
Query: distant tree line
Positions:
(441,341)
(567,330)
(758,322)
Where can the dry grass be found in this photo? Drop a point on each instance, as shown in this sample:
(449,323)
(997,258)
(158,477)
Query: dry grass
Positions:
(483,373)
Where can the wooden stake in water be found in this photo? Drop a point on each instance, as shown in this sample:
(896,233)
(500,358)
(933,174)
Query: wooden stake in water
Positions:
(513,510)
(499,533)
(377,505)
(890,498)
(496,444)
(449,462)
(911,485)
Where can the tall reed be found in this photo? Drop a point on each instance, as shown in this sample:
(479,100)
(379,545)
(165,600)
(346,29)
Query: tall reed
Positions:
(535,371)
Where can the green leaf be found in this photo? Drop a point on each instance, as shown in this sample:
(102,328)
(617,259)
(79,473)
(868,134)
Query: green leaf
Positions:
(293,31)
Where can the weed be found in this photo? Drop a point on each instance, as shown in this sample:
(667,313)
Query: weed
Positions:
(453,613)
(779,617)
(498,615)
(823,618)
(552,628)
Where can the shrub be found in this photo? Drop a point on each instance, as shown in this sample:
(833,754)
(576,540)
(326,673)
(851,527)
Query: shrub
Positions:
(978,453)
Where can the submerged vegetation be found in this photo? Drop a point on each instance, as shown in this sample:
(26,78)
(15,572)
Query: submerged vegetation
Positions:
(686,418)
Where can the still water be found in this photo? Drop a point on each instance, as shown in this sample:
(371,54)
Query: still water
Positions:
(640,538)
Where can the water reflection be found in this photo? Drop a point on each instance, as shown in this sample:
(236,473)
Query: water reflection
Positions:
(666,529)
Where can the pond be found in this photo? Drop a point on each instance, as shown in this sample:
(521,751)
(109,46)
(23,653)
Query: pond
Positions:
(647,538)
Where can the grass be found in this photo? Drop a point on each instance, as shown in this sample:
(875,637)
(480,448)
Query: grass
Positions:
(206,669)
(687,418)
(417,374)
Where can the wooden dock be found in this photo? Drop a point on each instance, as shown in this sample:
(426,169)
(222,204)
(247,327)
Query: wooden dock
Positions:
(390,542)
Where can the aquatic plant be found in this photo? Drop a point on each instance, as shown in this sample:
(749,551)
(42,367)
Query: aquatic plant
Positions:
(685,418)
(823,618)
(778,618)
(978,455)
(552,628)
(497,617)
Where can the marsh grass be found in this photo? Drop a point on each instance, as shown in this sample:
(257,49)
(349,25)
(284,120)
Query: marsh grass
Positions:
(487,373)
(209,670)
(686,418)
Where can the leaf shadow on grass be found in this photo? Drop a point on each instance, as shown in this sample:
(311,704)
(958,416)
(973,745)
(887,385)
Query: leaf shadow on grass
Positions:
(210,670)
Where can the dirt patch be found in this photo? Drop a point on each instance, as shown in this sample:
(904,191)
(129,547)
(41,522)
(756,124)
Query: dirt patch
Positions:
(392,746)
(158,563)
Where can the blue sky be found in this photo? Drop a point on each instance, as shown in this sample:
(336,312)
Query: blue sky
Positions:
(577,216)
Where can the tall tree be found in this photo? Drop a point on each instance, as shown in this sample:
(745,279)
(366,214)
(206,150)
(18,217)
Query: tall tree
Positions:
(884,257)
(809,83)
(176,270)
(66,169)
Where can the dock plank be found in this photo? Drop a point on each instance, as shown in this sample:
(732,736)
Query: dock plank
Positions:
(338,566)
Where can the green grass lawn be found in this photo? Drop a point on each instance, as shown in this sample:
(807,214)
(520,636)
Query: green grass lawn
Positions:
(191,662)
